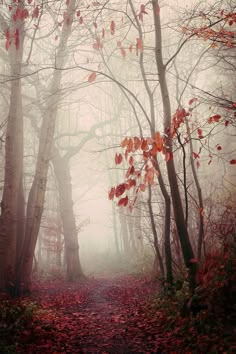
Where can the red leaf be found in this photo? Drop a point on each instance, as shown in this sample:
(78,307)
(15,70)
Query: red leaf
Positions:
(123,201)
(112,27)
(198,164)
(78,13)
(195,155)
(232,162)
(137,143)
(131,160)
(123,52)
(193,260)
(125,142)
(92,77)
(226,123)
(142,187)
(192,100)
(199,131)
(111,193)
(36,12)
(120,190)
(81,20)
(131,48)
(140,17)
(142,9)
(144,145)
(219,147)
(118,159)
(215,118)
(103,33)
(139,45)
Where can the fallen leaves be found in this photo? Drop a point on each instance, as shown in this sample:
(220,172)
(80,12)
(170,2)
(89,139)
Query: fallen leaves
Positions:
(119,315)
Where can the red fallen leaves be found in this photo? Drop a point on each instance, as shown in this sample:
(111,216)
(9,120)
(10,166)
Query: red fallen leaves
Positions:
(123,314)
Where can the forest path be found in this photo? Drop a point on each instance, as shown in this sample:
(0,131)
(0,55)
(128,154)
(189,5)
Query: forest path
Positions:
(95,316)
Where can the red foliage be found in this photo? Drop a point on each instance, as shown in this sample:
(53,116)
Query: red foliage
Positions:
(118,315)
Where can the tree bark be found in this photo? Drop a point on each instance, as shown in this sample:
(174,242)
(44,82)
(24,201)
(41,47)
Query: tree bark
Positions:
(62,173)
(154,231)
(37,192)
(175,194)
(12,205)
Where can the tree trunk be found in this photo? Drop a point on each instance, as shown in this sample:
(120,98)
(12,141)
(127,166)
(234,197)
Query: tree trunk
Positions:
(124,235)
(37,192)
(62,173)
(175,194)
(154,231)
(200,200)
(12,205)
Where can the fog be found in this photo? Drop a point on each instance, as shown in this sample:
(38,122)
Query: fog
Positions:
(84,70)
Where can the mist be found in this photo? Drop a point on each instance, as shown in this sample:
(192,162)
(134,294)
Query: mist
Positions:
(117,157)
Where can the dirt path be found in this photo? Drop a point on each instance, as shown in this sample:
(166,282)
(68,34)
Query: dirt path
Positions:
(96,316)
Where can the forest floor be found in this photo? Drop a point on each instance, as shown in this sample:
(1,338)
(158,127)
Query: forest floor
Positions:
(105,315)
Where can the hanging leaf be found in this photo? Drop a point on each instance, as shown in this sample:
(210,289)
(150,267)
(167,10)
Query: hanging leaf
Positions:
(142,9)
(195,155)
(118,159)
(125,142)
(112,27)
(142,187)
(111,193)
(92,77)
(144,145)
(123,201)
(120,189)
(232,162)
(215,118)
(131,160)
(200,135)
(137,143)
(123,52)
(36,12)
(192,101)
(139,45)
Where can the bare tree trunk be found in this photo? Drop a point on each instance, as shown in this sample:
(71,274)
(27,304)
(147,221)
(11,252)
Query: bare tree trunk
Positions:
(62,173)
(138,230)
(114,223)
(124,235)
(168,257)
(200,200)
(132,239)
(175,194)
(37,192)
(154,231)
(12,205)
